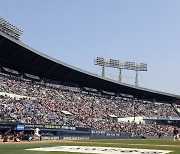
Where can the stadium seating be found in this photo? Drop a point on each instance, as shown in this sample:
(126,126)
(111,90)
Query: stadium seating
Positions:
(32,102)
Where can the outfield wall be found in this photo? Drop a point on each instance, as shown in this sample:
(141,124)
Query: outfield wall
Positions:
(61,132)
(52,132)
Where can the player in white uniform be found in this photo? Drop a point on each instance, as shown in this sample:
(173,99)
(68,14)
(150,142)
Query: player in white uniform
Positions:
(36,134)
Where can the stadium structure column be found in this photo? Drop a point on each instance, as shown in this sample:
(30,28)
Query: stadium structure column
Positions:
(139,67)
(136,79)
(101,62)
(103,71)
(134,112)
(175,109)
(133,122)
(120,74)
(92,110)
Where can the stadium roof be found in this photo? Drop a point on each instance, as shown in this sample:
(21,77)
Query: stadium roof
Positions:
(22,58)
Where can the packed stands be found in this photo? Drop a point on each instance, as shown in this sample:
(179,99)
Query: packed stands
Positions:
(49,103)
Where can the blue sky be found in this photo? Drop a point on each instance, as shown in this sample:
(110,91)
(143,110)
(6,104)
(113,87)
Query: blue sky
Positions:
(77,31)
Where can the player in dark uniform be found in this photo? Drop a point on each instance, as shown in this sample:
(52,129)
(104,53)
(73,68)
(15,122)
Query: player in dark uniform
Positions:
(176,134)
(160,135)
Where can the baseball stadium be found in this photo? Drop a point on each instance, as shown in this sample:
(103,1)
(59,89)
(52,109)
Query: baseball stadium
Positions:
(50,107)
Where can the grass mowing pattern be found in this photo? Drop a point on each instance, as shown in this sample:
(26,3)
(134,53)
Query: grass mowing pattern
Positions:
(19,148)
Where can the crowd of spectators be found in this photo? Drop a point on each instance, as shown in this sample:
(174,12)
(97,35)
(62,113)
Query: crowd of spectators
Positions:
(45,103)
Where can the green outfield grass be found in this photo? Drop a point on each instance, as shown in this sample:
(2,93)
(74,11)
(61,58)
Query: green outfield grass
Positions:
(19,148)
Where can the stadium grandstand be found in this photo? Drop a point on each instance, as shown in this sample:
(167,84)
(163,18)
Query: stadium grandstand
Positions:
(37,91)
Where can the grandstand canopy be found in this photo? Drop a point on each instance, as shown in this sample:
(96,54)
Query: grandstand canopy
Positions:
(24,59)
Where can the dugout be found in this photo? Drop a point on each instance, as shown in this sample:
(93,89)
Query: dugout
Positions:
(173,121)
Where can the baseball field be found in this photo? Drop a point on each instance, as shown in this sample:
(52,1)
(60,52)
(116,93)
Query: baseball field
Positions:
(92,146)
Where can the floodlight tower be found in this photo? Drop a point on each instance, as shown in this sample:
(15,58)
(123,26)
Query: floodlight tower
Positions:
(10,29)
(120,65)
(139,67)
(109,63)
(101,62)
(120,71)
(117,64)
(114,64)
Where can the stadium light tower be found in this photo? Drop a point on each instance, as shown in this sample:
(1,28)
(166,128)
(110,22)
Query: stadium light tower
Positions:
(10,29)
(117,64)
(114,64)
(120,65)
(139,67)
(101,62)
